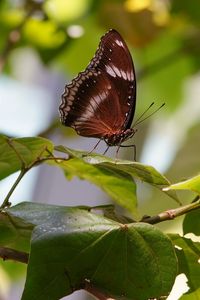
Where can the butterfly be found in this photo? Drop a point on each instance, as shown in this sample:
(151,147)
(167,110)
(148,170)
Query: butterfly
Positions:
(100,102)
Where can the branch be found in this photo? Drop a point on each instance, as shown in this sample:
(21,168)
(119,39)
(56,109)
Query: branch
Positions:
(6,202)
(10,254)
(172,213)
(95,292)
(25,169)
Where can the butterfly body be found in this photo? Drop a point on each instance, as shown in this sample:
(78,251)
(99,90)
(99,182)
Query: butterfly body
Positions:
(117,138)
(100,101)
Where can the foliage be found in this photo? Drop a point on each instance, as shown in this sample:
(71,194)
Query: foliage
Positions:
(91,247)
(70,248)
(88,246)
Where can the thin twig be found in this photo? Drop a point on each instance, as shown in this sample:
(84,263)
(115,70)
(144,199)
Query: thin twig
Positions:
(172,213)
(6,202)
(11,254)
(24,170)
(96,292)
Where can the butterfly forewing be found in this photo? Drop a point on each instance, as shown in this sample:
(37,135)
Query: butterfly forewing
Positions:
(100,101)
(113,58)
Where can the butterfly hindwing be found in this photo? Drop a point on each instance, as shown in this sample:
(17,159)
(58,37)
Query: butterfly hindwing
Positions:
(90,112)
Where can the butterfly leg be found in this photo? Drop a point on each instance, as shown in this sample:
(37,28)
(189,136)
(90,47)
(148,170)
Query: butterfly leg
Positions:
(116,156)
(106,150)
(94,147)
(127,146)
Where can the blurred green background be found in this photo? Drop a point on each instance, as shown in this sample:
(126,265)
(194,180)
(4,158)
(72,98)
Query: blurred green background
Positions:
(43,44)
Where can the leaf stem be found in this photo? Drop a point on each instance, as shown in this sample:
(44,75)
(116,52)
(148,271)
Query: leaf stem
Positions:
(6,202)
(11,254)
(172,213)
(96,292)
(23,171)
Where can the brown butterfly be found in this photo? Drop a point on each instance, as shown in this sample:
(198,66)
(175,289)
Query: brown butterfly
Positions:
(100,101)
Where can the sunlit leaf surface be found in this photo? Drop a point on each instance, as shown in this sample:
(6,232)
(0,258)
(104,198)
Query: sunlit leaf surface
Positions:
(18,153)
(192,184)
(71,247)
(188,253)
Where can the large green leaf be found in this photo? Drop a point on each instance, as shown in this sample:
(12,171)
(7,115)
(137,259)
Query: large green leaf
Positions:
(72,247)
(115,177)
(188,253)
(119,185)
(100,162)
(16,153)
(15,232)
(141,171)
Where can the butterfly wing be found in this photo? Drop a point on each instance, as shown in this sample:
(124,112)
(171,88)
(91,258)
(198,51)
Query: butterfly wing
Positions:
(113,58)
(101,100)
(89,108)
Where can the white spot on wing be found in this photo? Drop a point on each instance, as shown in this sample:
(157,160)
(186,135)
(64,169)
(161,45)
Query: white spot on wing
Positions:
(110,71)
(114,71)
(94,103)
(117,71)
(119,43)
(124,75)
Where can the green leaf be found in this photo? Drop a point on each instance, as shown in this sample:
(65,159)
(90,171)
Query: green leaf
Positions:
(16,153)
(163,66)
(15,232)
(191,222)
(192,184)
(62,11)
(11,18)
(186,10)
(191,296)
(143,172)
(117,184)
(44,34)
(188,253)
(72,247)
(101,162)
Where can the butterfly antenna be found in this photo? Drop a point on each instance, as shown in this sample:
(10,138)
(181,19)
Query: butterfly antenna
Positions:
(140,120)
(136,122)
